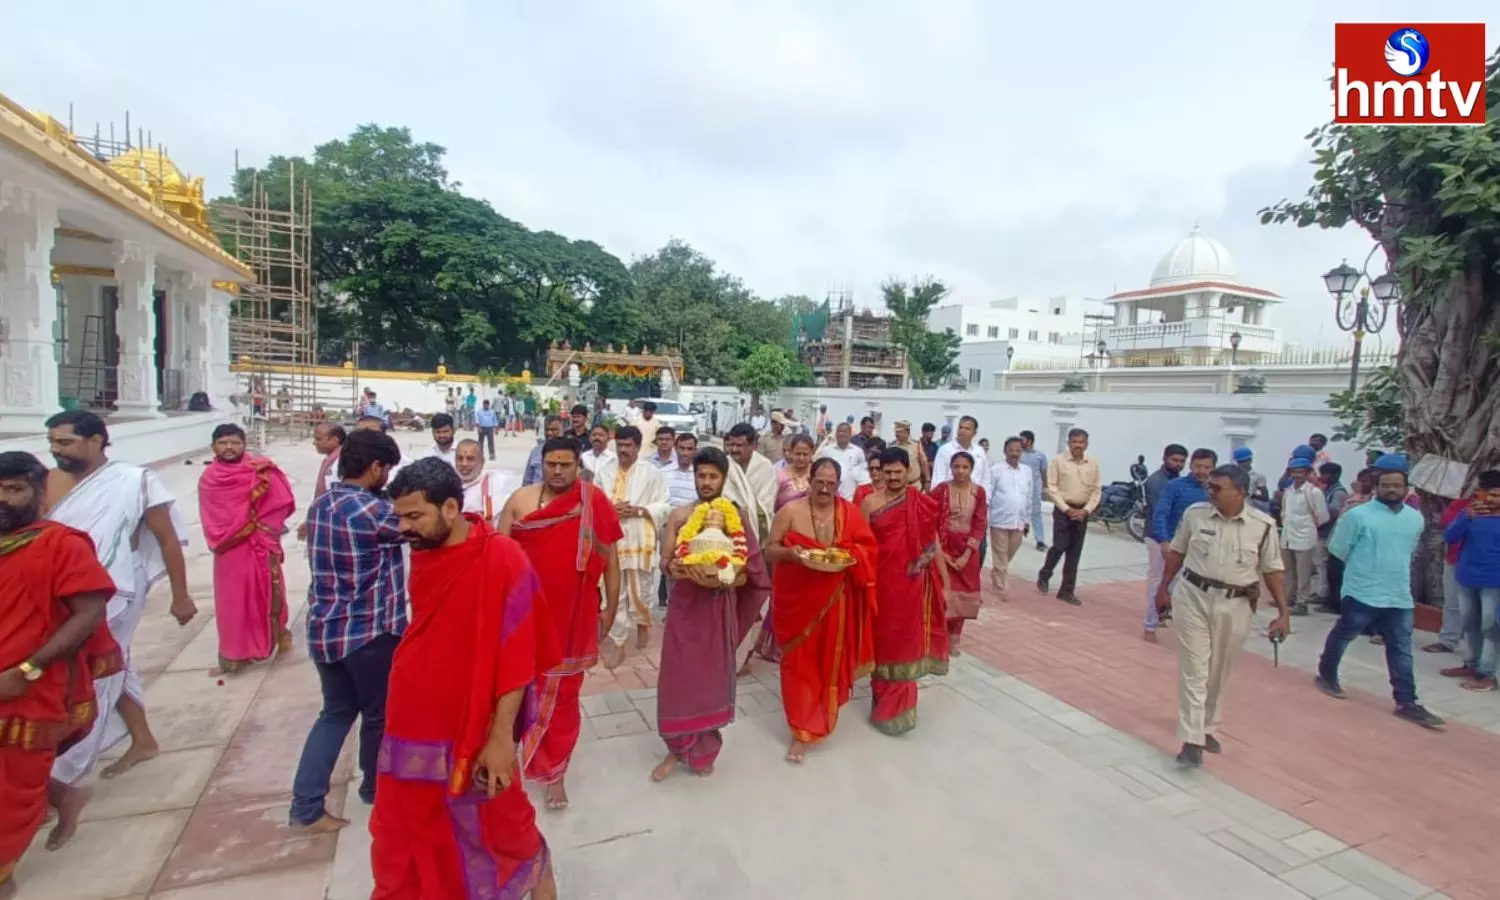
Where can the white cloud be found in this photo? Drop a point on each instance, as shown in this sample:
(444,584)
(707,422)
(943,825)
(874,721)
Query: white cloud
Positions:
(1040,150)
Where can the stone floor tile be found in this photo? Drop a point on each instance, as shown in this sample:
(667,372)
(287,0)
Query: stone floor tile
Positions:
(301,883)
(1373,876)
(229,840)
(1281,826)
(203,651)
(595,705)
(1081,722)
(1314,880)
(1316,844)
(1177,804)
(1251,845)
(105,859)
(170,781)
(350,877)
(618,703)
(189,709)
(619,724)
(1351,892)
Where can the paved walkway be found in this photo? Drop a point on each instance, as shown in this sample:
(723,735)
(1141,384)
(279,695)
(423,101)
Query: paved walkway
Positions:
(1039,770)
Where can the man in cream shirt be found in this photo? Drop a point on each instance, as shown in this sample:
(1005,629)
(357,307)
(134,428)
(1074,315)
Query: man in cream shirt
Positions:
(1074,489)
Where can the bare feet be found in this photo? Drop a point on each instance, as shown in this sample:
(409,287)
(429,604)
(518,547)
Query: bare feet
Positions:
(665,768)
(546,888)
(704,772)
(1149,637)
(557,796)
(284,644)
(326,825)
(642,637)
(797,753)
(611,654)
(137,754)
(70,802)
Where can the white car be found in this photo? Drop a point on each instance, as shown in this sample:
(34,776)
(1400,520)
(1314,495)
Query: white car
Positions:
(668,412)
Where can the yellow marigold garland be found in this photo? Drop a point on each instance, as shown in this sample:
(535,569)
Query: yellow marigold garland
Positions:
(734,529)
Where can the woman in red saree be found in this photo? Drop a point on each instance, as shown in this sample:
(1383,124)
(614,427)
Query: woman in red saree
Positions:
(961,530)
(244,502)
(479,634)
(823,619)
(911,636)
(793,476)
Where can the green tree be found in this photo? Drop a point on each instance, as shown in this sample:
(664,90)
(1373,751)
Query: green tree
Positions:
(766,370)
(1371,417)
(1431,198)
(931,356)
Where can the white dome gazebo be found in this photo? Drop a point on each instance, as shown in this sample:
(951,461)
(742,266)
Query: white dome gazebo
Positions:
(1195,311)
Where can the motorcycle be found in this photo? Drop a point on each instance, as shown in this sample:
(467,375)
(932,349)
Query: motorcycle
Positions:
(1124,503)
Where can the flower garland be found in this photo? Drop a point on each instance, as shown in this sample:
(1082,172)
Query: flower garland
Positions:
(734,529)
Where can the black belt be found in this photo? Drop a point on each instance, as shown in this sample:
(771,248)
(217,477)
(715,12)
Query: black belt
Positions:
(1212,584)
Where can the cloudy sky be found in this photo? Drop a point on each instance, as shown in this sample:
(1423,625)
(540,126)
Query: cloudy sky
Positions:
(1057,149)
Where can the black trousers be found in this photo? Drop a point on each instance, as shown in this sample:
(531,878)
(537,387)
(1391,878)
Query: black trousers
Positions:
(1067,545)
(487,441)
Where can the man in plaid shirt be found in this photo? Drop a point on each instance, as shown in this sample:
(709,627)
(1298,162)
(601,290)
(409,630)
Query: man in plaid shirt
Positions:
(356,613)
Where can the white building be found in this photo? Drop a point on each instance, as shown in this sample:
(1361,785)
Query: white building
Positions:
(114,294)
(1195,311)
(1037,329)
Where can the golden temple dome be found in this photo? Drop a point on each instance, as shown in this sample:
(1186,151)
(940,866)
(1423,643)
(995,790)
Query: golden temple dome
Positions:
(169,188)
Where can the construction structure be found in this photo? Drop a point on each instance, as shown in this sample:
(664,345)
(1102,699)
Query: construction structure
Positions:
(273,324)
(849,348)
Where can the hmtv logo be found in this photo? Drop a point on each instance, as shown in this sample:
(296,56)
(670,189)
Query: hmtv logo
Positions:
(1394,74)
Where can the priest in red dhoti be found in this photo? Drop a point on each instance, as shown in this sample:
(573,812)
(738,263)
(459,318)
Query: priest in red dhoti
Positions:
(53,643)
(451,817)
(911,633)
(822,618)
(568,528)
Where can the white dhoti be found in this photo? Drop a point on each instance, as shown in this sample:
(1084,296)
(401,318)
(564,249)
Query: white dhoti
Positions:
(111,505)
(637,593)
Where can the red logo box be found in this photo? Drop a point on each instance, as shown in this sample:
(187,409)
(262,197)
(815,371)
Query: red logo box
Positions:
(1371,87)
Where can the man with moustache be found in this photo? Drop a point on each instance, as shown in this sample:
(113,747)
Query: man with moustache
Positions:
(920,473)
(664,457)
(1376,541)
(752,479)
(138,534)
(640,497)
(1074,488)
(53,644)
(599,451)
(552,427)
(451,815)
(578,427)
(485,490)
(244,502)
(1173,459)
(851,459)
(356,613)
(328,440)
(968,427)
(568,528)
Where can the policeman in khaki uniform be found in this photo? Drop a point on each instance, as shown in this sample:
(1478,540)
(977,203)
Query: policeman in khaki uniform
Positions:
(1223,549)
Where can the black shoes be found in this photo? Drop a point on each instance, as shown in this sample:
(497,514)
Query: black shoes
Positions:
(1069,598)
(1191,756)
(1041,584)
(1041,546)
(1332,689)
(1419,715)
(1211,744)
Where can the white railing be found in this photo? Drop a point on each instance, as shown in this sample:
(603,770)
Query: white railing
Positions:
(1293,356)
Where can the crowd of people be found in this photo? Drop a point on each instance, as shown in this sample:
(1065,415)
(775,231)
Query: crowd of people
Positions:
(454,609)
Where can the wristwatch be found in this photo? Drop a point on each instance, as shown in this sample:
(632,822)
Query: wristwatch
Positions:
(30,671)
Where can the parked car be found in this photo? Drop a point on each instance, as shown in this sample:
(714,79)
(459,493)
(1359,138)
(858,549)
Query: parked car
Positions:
(672,413)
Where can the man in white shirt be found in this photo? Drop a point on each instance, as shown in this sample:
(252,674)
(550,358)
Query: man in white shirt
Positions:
(442,445)
(649,424)
(1303,510)
(598,451)
(1012,487)
(758,419)
(968,426)
(682,490)
(485,490)
(640,498)
(753,487)
(850,458)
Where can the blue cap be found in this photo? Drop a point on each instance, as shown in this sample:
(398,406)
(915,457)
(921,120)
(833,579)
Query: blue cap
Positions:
(1305,451)
(1392,462)
(1243,454)
(1300,462)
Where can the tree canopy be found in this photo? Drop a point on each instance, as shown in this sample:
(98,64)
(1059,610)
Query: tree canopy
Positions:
(931,356)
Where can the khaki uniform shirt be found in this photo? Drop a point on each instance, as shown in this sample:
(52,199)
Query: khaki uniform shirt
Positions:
(772,446)
(1072,484)
(1235,551)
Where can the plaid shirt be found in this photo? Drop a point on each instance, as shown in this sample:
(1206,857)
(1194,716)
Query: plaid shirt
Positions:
(358,572)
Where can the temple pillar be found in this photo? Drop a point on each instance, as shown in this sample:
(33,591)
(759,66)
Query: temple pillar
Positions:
(28,310)
(135,272)
(216,326)
(191,289)
(1125,313)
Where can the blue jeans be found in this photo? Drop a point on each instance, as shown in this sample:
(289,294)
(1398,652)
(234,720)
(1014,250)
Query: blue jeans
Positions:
(1481,631)
(1391,623)
(353,686)
(1038,533)
(1453,629)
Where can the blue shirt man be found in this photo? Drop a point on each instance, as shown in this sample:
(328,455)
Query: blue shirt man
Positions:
(1376,541)
(486,418)
(1179,494)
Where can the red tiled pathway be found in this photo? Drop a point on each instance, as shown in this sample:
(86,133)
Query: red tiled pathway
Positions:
(1419,801)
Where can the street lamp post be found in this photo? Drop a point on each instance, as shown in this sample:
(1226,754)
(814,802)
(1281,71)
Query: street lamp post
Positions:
(1010,354)
(1234,349)
(1359,316)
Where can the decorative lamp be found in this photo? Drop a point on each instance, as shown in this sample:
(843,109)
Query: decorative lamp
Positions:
(1234,340)
(1341,281)
(1387,288)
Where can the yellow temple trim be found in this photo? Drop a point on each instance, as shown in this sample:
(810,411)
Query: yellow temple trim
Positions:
(52,146)
(254,368)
